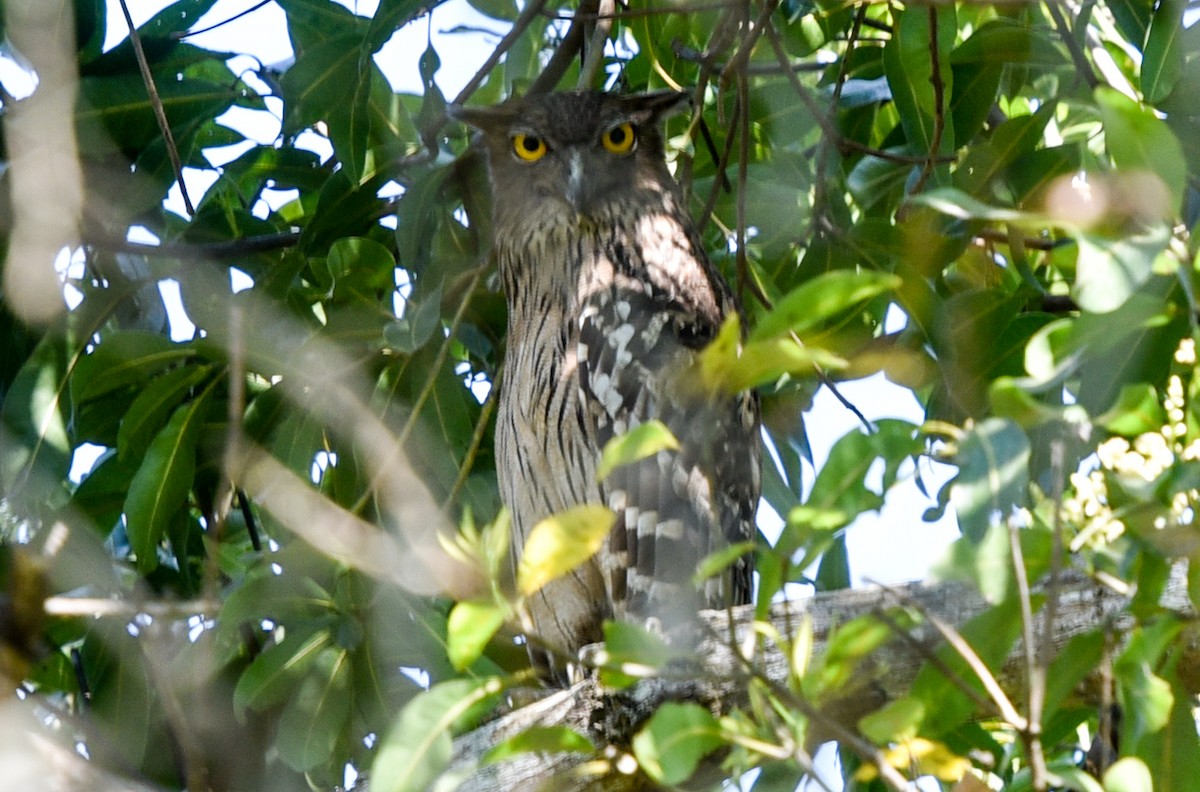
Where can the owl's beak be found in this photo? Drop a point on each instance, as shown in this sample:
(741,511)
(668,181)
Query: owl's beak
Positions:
(576,192)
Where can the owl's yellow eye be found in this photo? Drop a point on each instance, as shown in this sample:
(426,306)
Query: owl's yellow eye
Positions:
(619,139)
(530,148)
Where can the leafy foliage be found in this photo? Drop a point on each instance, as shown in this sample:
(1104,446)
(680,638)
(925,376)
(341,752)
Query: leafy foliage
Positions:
(992,206)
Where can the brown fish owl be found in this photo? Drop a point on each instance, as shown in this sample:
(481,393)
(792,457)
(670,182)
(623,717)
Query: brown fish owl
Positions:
(610,298)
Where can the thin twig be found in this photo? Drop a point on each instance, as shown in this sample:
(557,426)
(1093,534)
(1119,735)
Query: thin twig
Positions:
(426,390)
(939,98)
(523,20)
(233,248)
(817,112)
(593,55)
(951,636)
(941,666)
(570,46)
(481,425)
(188,33)
(160,115)
(684,52)
(1083,69)
(634,13)
(743,94)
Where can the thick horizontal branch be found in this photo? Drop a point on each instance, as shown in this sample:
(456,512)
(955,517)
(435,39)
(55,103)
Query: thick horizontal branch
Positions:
(1084,605)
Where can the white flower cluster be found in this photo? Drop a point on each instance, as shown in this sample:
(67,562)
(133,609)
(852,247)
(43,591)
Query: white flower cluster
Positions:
(1148,457)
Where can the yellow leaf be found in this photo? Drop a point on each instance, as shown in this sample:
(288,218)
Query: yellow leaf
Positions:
(642,441)
(561,542)
(922,756)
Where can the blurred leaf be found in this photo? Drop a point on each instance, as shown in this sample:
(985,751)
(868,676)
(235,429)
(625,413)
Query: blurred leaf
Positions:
(417,749)
(561,542)
(36,448)
(820,299)
(631,652)
(313,720)
(717,562)
(1112,270)
(539,740)
(898,721)
(1136,411)
(993,462)
(849,644)
(642,441)
(671,745)
(472,624)
(922,756)
(276,672)
(1129,774)
(1139,141)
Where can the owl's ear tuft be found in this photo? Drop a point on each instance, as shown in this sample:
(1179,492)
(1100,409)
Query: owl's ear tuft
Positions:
(497,118)
(658,106)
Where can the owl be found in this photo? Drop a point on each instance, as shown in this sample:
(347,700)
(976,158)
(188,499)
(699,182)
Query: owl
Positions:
(610,299)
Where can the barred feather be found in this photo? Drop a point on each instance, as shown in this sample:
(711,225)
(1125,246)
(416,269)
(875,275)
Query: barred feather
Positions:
(610,299)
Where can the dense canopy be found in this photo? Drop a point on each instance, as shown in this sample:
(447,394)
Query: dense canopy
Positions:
(251,535)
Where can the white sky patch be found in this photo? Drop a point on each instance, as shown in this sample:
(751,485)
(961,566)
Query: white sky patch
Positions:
(182,328)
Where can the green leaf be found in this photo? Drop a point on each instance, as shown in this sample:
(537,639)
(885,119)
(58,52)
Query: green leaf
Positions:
(561,542)
(1140,141)
(895,722)
(36,447)
(1110,271)
(540,740)
(162,483)
(848,645)
(417,749)
(956,203)
(315,86)
(349,126)
(1163,55)
(149,410)
(126,357)
(644,440)
(1136,411)
(421,320)
(472,624)
(907,61)
(1128,774)
(274,674)
(631,652)
(717,562)
(821,299)
(671,745)
(313,721)
(993,462)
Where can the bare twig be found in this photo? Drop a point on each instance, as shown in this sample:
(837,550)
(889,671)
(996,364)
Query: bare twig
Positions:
(523,20)
(481,425)
(188,33)
(426,390)
(973,661)
(594,53)
(939,101)
(1083,69)
(160,115)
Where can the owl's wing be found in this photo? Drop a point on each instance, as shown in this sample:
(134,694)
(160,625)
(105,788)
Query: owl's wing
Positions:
(636,345)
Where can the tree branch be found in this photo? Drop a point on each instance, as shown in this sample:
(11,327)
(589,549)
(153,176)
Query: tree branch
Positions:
(720,682)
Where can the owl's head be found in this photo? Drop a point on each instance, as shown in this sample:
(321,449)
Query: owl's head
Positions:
(573,153)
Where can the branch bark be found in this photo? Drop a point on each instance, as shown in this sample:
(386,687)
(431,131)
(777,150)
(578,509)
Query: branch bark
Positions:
(610,719)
